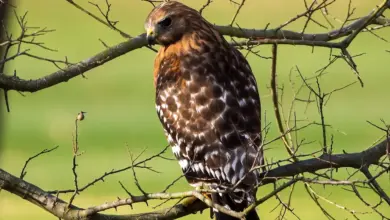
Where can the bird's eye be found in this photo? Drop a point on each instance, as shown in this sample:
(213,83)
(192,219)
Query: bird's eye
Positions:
(166,22)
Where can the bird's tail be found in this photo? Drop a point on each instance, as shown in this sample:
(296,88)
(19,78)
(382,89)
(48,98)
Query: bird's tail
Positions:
(227,201)
(252,215)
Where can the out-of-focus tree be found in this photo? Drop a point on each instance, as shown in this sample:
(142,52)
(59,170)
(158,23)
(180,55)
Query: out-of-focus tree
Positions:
(4,9)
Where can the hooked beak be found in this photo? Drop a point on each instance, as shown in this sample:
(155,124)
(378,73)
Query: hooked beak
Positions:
(150,36)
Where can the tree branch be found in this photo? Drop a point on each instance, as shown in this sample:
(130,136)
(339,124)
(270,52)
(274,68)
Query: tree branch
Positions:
(60,208)
(354,160)
(255,36)
(22,85)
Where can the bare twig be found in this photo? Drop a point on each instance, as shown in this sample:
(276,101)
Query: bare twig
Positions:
(45,151)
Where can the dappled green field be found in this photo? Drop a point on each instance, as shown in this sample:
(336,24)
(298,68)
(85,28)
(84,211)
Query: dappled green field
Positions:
(119,99)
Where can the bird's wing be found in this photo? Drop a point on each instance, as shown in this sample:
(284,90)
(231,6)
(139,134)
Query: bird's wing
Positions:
(209,106)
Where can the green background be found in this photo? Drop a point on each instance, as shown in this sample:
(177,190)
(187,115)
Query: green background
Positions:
(119,99)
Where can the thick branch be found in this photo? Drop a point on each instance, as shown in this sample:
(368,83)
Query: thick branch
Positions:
(60,208)
(292,35)
(15,83)
(354,160)
(36,196)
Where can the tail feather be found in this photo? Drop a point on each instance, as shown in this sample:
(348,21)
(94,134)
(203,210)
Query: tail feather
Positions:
(227,201)
(252,215)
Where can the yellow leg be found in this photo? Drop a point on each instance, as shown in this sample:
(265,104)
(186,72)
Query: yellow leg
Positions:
(203,187)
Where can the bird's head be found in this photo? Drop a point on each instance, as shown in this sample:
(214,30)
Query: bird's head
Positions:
(168,22)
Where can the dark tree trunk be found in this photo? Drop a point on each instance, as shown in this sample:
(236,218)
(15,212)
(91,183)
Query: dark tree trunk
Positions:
(4,8)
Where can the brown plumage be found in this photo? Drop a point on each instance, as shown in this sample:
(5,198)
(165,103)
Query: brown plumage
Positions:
(208,103)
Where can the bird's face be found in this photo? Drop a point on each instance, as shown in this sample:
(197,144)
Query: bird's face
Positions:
(165,25)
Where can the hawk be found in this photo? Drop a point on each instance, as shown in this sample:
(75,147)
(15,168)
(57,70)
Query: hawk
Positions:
(208,104)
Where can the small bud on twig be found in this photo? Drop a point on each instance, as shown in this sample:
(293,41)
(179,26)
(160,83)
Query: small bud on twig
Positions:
(81,116)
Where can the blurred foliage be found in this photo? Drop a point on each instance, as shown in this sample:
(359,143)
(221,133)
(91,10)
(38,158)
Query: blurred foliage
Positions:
(119,100)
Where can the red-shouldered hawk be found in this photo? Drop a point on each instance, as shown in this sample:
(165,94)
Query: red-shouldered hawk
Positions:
(208,104)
